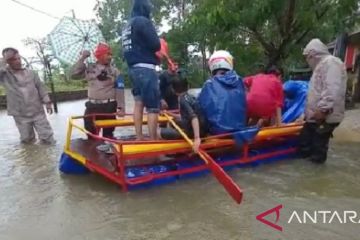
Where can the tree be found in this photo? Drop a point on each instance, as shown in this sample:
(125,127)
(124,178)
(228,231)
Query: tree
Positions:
(43,52)
(113,15)
(44,55)
(256,32)
(278,26)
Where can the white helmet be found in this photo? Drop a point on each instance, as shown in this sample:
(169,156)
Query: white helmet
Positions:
(221,60)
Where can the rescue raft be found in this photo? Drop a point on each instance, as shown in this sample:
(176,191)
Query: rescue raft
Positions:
(144,163)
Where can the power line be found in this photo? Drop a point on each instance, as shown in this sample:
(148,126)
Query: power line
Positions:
(34,9)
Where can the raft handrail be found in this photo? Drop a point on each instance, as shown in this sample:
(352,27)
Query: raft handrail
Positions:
(121,157)
(295,124)
(119,141)
(129,142)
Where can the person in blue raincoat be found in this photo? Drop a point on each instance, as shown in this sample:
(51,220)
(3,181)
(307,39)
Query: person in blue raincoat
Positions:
(295,100)
(222,98)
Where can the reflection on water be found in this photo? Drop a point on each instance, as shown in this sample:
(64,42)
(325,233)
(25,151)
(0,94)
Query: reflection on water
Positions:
(38,202)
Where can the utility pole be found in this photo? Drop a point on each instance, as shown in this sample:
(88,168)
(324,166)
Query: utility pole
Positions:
(52,85)
(73,13)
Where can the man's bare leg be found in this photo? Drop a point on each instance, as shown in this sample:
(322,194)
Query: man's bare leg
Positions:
(138,117)
(153,125)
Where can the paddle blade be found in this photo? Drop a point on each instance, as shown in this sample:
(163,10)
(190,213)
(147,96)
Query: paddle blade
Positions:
(230,186)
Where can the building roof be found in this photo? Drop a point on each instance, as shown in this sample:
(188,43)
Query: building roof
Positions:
(354,37)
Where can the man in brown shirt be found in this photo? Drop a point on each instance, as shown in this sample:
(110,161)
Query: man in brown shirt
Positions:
(25,95)
(105,90)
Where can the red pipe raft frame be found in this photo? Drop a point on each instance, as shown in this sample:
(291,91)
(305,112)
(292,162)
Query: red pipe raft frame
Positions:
(134,153)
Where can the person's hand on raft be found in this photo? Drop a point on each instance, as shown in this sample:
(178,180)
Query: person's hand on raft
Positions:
(300,119)
(320,116)
(163,105)
(120,112)
(196,145)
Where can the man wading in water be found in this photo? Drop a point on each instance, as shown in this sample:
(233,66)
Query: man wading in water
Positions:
(325,102)
(25,95)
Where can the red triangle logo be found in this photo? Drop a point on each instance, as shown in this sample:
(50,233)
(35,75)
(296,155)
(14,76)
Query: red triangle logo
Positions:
(261,217)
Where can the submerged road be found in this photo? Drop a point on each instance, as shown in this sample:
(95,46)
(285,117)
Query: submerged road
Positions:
(37,202)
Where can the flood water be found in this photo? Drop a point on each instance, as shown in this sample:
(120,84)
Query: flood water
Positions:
(38,202)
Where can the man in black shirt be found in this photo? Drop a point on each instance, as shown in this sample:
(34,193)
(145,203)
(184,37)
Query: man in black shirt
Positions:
(191,120)
(169,99)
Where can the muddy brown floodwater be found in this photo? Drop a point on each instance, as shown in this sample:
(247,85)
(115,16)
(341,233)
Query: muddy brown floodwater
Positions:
(38,202)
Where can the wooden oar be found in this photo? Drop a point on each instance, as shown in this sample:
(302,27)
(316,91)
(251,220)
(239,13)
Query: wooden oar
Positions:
(230,186)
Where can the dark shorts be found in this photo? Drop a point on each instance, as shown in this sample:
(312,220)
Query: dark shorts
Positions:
(171,133)
(146,87)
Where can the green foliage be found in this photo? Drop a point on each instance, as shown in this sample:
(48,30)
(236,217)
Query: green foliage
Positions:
(113,15)
(61,86)
(277,27)
(68,86)
(255,32)
(44,56)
